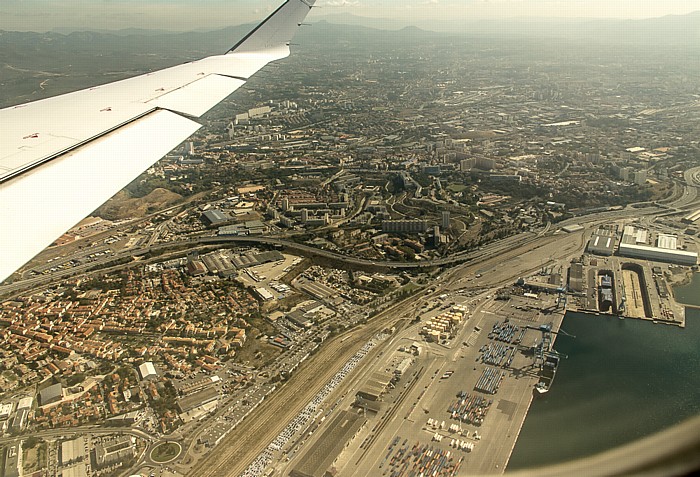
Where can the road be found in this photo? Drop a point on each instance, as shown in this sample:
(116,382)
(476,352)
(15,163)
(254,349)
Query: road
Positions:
(243,444)
(487,251)
(79,431)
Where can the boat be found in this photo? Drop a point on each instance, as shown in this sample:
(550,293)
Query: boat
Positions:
(549,371)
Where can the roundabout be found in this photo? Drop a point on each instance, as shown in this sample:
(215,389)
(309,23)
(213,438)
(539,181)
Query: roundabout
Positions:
(165,452)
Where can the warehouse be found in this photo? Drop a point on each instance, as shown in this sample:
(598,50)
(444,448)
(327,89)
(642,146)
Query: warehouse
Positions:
(601,244)
(198,399)
(147,370)
(77,470)
(113,451)
(72,451)
(646,252)
(215,218)
(374,387)
(51,394)
(691,217)
(667,241)
(264,294)
(219,263)
(403,366)
(319,458)
(576,277)
(635,244)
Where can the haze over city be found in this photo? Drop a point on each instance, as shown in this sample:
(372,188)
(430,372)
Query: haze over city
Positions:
(436,15)
(456,248)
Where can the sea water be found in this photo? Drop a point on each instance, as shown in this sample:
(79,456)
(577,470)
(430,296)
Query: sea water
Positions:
(622,380)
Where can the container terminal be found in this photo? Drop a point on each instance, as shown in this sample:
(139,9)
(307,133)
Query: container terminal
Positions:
(448,393)
(445,395)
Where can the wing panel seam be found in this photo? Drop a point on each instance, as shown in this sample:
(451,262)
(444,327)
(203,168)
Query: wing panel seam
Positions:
(26,168)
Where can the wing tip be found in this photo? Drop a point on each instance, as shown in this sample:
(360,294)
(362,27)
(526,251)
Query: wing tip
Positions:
(259,39)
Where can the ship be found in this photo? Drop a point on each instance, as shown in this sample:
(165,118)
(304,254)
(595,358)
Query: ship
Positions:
(549,371)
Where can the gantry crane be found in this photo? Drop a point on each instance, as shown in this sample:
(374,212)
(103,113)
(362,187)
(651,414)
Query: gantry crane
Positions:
(544,347)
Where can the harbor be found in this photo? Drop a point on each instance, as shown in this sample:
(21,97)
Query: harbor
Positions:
(441,402)
(625,288)
(649,374)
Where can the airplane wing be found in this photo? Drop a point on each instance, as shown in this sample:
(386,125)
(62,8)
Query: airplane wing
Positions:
(62,157)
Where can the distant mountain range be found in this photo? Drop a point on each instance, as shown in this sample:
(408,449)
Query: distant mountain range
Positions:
(671,29)
(59,62)
(668,30)
(333,29)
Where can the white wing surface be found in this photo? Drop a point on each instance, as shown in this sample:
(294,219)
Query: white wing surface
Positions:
(62,157)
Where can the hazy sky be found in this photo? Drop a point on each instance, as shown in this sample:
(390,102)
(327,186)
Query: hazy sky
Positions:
(42,15)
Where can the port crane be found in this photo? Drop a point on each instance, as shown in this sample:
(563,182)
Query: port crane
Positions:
(543,349)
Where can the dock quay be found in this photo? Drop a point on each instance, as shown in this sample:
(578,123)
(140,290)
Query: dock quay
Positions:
(462,401)
(624,287)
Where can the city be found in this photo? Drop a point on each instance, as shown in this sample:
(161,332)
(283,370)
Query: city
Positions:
(361,263)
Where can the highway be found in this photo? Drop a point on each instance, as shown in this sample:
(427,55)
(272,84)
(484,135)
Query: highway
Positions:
(485,252)
(243,444)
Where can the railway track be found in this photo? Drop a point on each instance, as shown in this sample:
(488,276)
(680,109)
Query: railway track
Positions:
(246,442)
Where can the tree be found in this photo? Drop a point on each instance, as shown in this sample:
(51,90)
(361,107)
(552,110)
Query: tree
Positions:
(31,442)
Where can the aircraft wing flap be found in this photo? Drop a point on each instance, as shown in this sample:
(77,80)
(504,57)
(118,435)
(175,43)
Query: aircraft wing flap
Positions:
(62,157)
(41,204)
(38,131)
(200,96)
(35,132)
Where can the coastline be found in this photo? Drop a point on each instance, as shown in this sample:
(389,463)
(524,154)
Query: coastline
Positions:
(691,278)
(610,420)
(556,326)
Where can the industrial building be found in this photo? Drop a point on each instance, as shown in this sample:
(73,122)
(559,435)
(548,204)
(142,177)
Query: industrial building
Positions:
(692,217)
(76,470)
(72,451)
(196,268)
(113,451)
(300,318)
(219,263)
(634,244)
(320,457)
(374,387)
(264,294)
(602,243)
(215,218)
(51,394)
(250,227)
(251,259)
(656,254)
(198,399)
(667,241)
(569,229)
(147,370)
(576,277)
(403,366)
